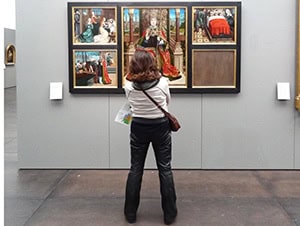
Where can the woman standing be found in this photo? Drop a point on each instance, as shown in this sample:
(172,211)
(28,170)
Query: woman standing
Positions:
(149,125)
(103,75)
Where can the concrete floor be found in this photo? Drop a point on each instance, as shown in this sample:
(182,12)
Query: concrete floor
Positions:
(96,197)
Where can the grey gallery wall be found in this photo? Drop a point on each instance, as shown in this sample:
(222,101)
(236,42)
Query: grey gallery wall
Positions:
(249,130)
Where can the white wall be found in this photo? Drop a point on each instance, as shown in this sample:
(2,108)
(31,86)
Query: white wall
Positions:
(9,13)
(250,130)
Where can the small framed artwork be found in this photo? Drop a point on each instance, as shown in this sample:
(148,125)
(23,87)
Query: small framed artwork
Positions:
(94,69)
(161,30)
(215,25)
(10,54)
(94,25)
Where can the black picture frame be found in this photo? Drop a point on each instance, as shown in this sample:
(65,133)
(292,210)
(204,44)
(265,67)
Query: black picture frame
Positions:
(105,35)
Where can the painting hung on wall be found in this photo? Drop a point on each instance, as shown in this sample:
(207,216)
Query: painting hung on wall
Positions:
(214,25)
(214,68)
(196,45)
(95,69)
(163,33)
(10,55)
(94,25)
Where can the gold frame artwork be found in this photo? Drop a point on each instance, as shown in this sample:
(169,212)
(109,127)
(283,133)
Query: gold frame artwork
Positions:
(90,71)
(96,19)
(172,21)
(10,55)
(297,98)
(226,31)
(214,68)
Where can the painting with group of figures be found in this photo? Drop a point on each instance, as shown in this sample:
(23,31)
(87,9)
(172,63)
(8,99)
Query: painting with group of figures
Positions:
(213,25)
(196,45)
(94,57)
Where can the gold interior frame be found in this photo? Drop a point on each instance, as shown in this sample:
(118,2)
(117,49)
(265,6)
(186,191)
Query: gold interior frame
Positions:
(94,7)
(140,7)
(234,42)
(115,80)
(297,98)
(10,54)
(216,50)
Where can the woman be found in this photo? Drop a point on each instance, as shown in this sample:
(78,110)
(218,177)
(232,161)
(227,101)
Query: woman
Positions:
(103,75)
(87,35)
(149,125)
(103,35)
(77,23)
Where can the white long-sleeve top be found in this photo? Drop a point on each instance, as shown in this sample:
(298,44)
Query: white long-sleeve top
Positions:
(142,106)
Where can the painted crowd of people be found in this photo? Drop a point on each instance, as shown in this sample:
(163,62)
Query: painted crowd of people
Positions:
(97,68)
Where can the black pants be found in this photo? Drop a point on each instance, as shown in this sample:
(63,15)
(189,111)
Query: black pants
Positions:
(144,132)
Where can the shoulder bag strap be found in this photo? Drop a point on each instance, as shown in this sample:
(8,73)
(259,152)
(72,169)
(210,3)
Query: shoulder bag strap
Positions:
(163,110)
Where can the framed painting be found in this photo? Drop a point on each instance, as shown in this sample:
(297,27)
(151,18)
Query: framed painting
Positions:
(215,25)
(94,69)
(196,45)
(94,25)
(215,69)
(215,50)
(161,30)
(10,54)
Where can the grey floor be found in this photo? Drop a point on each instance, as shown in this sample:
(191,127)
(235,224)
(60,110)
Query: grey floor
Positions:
(96,197)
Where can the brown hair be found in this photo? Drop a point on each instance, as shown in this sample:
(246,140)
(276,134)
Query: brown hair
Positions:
(143,67)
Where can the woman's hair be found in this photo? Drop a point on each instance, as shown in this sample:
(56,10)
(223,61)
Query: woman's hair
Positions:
(143,67)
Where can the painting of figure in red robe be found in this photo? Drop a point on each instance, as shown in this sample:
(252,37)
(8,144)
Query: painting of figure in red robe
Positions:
(214,25)
(162,32)
(95,69)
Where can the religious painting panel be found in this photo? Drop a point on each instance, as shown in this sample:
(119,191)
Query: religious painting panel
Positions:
(215,25)
(94,69)
(162,31)
(196,45)
(10,54)
(94,25)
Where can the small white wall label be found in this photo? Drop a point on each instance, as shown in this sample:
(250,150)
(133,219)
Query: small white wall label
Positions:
(56,90)
(283,91)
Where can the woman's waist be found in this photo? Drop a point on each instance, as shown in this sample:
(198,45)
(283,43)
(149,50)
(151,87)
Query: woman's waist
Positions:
(150,120)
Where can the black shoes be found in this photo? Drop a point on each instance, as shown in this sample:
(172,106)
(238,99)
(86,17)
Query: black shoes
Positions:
(131,219)
(169,219)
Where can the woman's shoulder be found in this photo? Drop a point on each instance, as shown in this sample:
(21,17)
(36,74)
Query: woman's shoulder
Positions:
(128,85)
(163,82)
